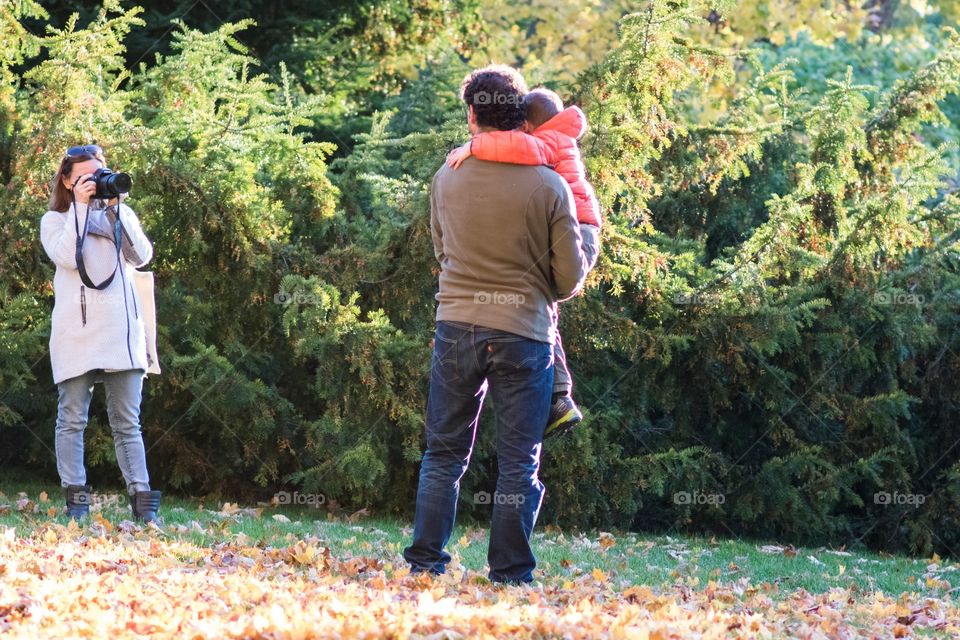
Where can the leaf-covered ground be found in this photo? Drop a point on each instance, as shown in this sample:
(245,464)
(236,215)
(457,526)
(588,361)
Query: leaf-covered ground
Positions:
(263,572)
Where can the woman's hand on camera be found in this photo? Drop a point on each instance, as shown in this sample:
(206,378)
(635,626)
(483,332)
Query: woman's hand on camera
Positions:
(84,188)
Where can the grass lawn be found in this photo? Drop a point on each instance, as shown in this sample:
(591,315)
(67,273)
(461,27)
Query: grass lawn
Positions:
(277,572)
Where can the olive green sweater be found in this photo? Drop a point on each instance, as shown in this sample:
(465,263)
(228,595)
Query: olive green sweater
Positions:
(509,246)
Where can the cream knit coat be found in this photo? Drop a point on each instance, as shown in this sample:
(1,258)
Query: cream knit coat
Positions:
(94,329)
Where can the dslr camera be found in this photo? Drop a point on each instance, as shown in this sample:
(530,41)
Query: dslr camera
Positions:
(110,184)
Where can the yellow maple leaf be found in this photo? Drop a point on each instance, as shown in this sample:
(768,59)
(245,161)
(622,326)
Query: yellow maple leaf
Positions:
(607,540)
(638,593)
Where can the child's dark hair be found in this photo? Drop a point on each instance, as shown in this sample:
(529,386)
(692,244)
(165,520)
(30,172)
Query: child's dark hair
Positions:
(496,95)
(542,104)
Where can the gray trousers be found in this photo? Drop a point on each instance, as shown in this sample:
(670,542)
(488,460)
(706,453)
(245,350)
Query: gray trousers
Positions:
(562,381)
(123,389)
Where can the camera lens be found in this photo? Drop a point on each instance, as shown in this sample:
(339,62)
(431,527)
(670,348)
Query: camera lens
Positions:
(110,184)
(121,182)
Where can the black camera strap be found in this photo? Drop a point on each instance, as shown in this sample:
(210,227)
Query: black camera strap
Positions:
(79,255)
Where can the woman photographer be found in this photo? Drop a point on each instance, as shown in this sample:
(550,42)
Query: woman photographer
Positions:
(97,333)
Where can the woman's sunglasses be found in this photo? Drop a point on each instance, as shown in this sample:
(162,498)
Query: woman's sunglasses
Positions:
(85,150)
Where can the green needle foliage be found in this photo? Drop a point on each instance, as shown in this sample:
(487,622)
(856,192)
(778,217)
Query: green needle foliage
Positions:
(768,345)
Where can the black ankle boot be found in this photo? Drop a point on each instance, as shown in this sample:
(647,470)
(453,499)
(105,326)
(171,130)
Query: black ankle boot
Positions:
(78,500)
(145,505)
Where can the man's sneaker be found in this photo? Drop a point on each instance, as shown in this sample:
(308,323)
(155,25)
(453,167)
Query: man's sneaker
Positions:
(564,415)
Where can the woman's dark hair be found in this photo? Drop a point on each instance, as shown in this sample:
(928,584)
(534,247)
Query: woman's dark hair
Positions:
(496,95)
(60,196)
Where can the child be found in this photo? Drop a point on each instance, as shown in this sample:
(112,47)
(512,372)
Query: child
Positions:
(548,137)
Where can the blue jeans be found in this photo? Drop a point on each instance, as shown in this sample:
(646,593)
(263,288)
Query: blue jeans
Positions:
(123,389)
(519,372)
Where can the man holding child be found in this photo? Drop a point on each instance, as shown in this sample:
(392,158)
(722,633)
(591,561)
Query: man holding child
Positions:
(510,247)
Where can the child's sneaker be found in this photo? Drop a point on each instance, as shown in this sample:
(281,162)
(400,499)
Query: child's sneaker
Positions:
(564,415)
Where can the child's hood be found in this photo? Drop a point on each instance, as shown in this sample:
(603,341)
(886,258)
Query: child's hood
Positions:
(569,122)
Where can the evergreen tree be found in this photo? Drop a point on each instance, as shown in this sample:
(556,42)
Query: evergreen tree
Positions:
(768,345)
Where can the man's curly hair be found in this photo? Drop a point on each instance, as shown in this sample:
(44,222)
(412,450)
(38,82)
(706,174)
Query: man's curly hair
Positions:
(496,94)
